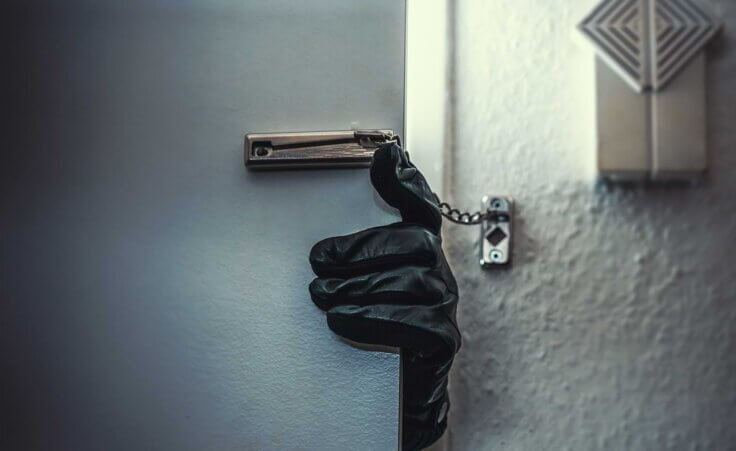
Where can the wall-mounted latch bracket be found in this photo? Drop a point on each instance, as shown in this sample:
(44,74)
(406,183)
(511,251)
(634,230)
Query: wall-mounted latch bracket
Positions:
(496,231)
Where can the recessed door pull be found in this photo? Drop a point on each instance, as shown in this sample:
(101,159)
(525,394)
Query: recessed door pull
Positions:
(352,149)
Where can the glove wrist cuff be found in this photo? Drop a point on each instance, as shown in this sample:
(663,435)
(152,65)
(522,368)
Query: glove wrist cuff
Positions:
(424,425)
(417,437)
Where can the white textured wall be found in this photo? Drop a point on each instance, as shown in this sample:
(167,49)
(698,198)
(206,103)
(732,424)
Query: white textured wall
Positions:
(616,327)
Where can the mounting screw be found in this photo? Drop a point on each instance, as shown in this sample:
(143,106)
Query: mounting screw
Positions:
(496,204)
(496,256)
(260,151)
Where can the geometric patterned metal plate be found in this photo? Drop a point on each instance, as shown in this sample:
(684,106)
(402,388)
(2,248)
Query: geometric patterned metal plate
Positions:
(648,42)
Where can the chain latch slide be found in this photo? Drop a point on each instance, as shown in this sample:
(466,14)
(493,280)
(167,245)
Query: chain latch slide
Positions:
(352,148)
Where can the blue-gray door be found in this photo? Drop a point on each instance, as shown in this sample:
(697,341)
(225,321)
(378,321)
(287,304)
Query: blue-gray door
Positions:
(154,292)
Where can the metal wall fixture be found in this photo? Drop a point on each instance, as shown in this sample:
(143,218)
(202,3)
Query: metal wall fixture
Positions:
(496,231)
(650,83)
(496,220)
(346,149)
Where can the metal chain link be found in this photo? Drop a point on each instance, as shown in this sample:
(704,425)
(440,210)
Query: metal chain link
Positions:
(461,217)
(453,214)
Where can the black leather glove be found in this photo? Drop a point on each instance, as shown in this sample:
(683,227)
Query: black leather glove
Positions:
(392,286)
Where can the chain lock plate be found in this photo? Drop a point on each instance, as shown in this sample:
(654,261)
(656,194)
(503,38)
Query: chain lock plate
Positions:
(496,231)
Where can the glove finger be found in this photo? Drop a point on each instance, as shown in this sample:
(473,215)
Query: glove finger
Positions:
(374,250)
(426,331)
(403,187)
(408,285)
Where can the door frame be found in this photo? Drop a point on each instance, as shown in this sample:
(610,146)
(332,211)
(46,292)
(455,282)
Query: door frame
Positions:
(427,88)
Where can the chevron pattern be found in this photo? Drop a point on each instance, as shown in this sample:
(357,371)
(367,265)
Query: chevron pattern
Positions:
(681,30)
(617,28)
(648,41)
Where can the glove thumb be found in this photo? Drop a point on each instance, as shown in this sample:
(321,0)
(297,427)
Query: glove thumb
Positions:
(403,187)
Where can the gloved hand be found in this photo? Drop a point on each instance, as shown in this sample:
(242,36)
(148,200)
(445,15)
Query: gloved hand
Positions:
(392,286)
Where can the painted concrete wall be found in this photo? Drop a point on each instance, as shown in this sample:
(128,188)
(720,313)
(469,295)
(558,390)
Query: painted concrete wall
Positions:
(616,327)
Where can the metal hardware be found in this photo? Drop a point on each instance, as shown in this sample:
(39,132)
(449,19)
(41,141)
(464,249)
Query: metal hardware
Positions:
(355,149)
(352,148)
(467,218)
(496,231)
(459,217)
